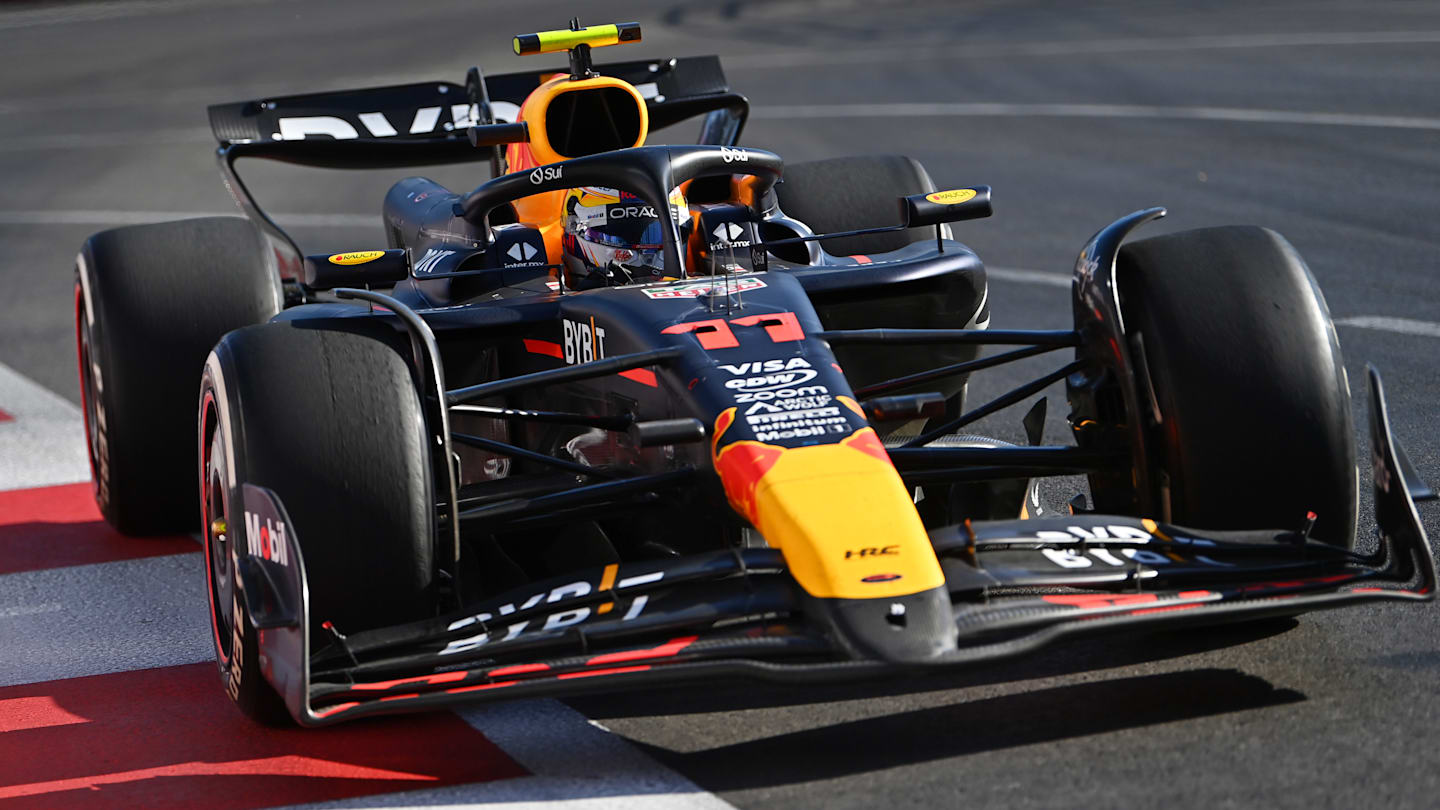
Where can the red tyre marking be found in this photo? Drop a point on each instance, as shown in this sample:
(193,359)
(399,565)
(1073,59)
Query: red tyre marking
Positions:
(5,417)
(111,741)
(60,526)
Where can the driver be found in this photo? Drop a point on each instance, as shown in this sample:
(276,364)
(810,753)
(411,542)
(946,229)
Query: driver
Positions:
(613,237)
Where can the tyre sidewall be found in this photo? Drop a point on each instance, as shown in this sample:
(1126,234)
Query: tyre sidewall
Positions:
(239,666)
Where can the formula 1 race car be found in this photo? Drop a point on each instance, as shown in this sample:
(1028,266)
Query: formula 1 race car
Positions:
(633,414)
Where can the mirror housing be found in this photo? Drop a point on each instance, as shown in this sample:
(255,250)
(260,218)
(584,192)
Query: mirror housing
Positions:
(360,268)
(939,207)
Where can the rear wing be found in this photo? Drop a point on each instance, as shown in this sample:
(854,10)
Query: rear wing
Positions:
(428,123)
(414,120)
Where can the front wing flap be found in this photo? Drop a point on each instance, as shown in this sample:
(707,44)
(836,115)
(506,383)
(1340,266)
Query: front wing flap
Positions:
(1014,586)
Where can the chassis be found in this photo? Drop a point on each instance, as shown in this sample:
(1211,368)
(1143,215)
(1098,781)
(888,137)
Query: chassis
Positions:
(726,465)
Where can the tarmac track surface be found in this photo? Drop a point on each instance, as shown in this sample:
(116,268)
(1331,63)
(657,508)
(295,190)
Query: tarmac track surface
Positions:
(1318,119)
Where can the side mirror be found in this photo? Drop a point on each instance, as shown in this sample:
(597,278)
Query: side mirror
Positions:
(374,268)
(953,205)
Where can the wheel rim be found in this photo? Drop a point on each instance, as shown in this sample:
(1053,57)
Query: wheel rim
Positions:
(218,534)
(89,400)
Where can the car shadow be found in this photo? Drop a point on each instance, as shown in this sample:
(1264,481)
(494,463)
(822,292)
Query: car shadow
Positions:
(1063,659)
(956,730)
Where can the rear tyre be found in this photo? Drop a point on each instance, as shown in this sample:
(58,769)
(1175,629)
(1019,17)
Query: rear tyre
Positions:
(1247,376)
(850,193)
(331,422)
(150,302)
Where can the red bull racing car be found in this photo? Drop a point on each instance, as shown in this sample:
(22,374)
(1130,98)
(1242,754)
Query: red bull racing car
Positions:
(631,413)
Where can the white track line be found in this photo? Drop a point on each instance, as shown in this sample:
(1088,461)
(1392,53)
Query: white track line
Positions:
(71,141)
(574,764)
(103,618)
(111,218)
(990,50)
(1005,110)
(1401,326)
(44,442)
(1381,323)
(1029,276)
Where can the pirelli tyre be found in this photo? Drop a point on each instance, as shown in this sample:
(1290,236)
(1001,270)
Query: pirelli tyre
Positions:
(150,302)
(331,423)
(1235,341)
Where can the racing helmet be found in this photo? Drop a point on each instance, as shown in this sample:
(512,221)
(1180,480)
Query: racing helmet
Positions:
(612,237)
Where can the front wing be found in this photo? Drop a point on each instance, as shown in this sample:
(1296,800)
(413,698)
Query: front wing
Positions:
(1015,586)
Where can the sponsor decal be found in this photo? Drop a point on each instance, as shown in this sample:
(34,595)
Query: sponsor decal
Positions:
(1068,558)
(812,417)
(742,397)
(766,382)
(522,251)
(952,197)
(556,620)
(629,212)
(695,290)
(266,539)
(543,173)
(873,578)
(423,121)
(727,236)
(358,257)
(432,258)
(768,366)
(881,551)
(791,404)
(732,154)
(583,342)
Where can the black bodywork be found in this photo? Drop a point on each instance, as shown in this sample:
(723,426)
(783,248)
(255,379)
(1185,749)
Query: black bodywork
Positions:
(554,408)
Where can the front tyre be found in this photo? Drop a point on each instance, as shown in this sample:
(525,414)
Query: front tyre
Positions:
(1255,427)
(331,423)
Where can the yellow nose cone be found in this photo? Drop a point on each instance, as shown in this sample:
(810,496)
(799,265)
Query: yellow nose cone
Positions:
(839,513)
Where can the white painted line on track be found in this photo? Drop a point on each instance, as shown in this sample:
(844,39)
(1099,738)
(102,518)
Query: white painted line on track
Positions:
(1029,276)
(71,141)
(115,218)
(1403,326)
(1381,323)
(950,51)
(65,14)
(574,766)
(1172,113)
(44,441)
(112,617)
